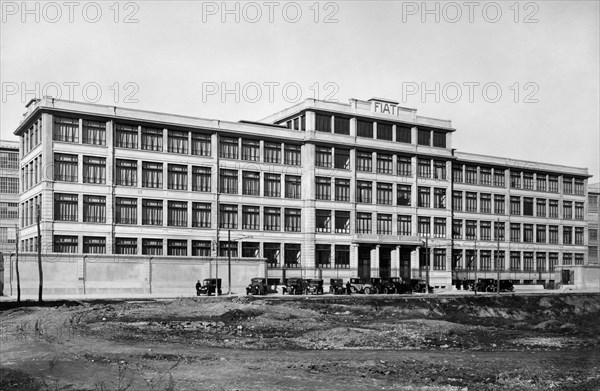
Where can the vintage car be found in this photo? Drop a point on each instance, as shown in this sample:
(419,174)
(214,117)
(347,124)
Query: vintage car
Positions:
(399,285)
(315,287)
(336,286)
(506,286)
(419,285)
(295,286)
(358,285)
(486,285)
(258,286)
(210,286)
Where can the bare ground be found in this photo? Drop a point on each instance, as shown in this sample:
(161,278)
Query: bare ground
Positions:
(282,343)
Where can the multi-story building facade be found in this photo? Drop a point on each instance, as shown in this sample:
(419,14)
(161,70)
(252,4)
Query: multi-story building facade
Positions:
(9,200)
(320,189)
(593,222)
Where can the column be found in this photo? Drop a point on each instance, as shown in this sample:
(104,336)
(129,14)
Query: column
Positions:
(354,257)
(375,261)
(395,262)
(414,260)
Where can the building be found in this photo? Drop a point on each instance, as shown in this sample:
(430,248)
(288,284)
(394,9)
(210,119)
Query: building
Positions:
(138,201)
(593,222)
(9,200)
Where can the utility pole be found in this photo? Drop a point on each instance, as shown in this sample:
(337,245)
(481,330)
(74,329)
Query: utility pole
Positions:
(17,263)
(498,255)
(229,261)
(39,255)
(427,264)
(475,266)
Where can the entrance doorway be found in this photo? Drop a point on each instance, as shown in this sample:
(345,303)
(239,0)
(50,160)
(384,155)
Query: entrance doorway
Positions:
(364,261)
(405,263)
(385,261)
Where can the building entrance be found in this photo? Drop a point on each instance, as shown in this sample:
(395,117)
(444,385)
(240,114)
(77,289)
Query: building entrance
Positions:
(364,261)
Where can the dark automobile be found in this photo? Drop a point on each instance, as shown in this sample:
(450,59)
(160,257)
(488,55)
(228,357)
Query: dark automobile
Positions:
(358,285)
(336,286)
(419,285)
(294,286)
(486,285)
(315,287)
(383,285)
(210,286)
(506,286)
(258,286)
(399,285)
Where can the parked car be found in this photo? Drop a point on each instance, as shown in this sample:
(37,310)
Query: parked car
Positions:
(400,286)
(336,286)
(258,286)
(358,285)
(506,286)
(295,286)
(315,287)
(419,285)
(486,285)
(210,286)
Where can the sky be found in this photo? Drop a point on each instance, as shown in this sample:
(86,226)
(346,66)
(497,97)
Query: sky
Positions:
(518,79)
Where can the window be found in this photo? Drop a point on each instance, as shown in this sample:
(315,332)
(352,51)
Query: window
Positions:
(271,252)
(341,125)
(178,141)
(342,190)
(552,261)
(250,183)
(363,223)
(553,183)
(152,175)
(201,144)
(272,219)
(439,170)
(201,248)
(126,136)
(384,163)
(578,235)
(272,186)
(94,132)
(456,259)
(515,261)
(384,193)
(499,177)
(404,225)
(553,209)
(65,244)
(540,207)
(291,255)
(424,197)
(457,173)
(9,210)
(567,185)
(515,179)
(471,229)
(515,205)
(66,129)
(471,202)
(498,204)
(424,168)
(127,246)
(567,235)
(364,129)
(323,157)
(499,231)
(342,222)
(553,234)
(364,192)
(125,210)
(9,160)
(593,234)
(342,158)
(540,180)
(323,256)
(485,259)
(485,230)
(323,188)
(323,221)
(485,176)
(424,137)
(177,178)
(567,259)
(342,256)
(457,226)
(364,161)
(201,179)
(579,189)
(578,259)
(229,181)
(65,167)
(177,214)
(94,245)
(527,206)
(471,174)
(403,134)
(126,174)
(528,261)
(439,227)
(404,195)
(592,251)
(298,123)
(404,166)
(515,232)
(228,147)
(201,214)
(228,216)
(65,207)
(250,150)
(424,225)
(527,181)
(152,139)
(384,131)
(541,261)
(384,224)
(293,185)
(152,246)
(579,211)
(528,233)
(499,259)
(457,200)
(177,247)
(567,210)
(292,220)
(439,198)
(94,209)
(250,249)
(272,152)
(439,139)
(323,123)
(292,155)
(540,233)
(152,212)
(94,169)
(251,217)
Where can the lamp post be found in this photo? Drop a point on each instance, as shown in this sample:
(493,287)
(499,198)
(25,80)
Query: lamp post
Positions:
(229,261)
(498,256)
(475,266)
(427,265)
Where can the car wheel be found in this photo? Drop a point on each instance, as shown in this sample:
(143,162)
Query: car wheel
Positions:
(368,291)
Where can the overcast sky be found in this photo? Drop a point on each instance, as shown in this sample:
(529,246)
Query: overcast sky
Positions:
(518,80)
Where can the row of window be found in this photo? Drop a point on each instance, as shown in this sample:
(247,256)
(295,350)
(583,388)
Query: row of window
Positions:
(31,173)
(9,185)
(7,236)
(32,137)
(9,160)
(518,261)
(29,210)
(9,210)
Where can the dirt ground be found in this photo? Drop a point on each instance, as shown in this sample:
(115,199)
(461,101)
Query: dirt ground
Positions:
(511,342)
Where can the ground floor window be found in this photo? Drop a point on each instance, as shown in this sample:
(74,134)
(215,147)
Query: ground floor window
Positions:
(201,248)
(342,257)
(126,246)
(292,255)
(94,245)
(152,246)
(323,256)
(177,247)
(271,252)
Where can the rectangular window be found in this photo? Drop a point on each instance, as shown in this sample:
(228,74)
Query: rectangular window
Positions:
(94,169)
(403,195)
(152,139)
(439,170)
(201,144)
(292,220)
(540,180)
(593,234)
(126,210)
(323,256)
(499,204)
(323,157)
(499,260)
(384,193)
(65,207)
(363,223)
(152,212)
(553,183)
(553,209)
(250,183)
(342,125)
(271,252)
(553,234)
(567,185)
(485,259)
(384,131)
(126,136)
(439,198)
(439,139)
(293,186)
(424,137)
(424,197)
(439,227)
(541,262)
(342,158)
(384,224)
(515,179)
(201,248)
(177,177)
(65,167)
(471,229)
(457,173)
(499,177)
(94,209)
(404,166)
(528,261)
(9,160)
(342,190)
(323,188)
(272,186)
(578,235)
(485,176)
(126,174)
(540,233)
(364,192)
(250,249)
(250,150)
(177,214)
(528,233)
(228,249)
(499,231)
(65,244)
(364,129)
(94,245)
(177,247)
(364,161)
(515,232)
(228,216)
(540,204)
(178,141)
(515,206)
(272,219)
(424,168)
(471,259)
(592,251)
(291,255)
(579,211)
(152,246)
(9,210)
(515,261)
(94,132)
(578,259)
(384,163)
(201,214)
(457,259)
(127,246)
(272,153)
(403,134)
(471,202)
(228,181)
(424,226)
(323,221)
(471,174)
(527,181)
(66,129)
(457,227)
(228,147)
(527,206)
(292,155)
(404,225)
(342,256)
(579,188)
(485,230)
(201,179)
(342,222)
(457,201)
(567,210)
(251,217)
(567,259)
(552,261)
(152,175)
(323,123)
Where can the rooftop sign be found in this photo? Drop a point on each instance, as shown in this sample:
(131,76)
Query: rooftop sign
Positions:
(389,108)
